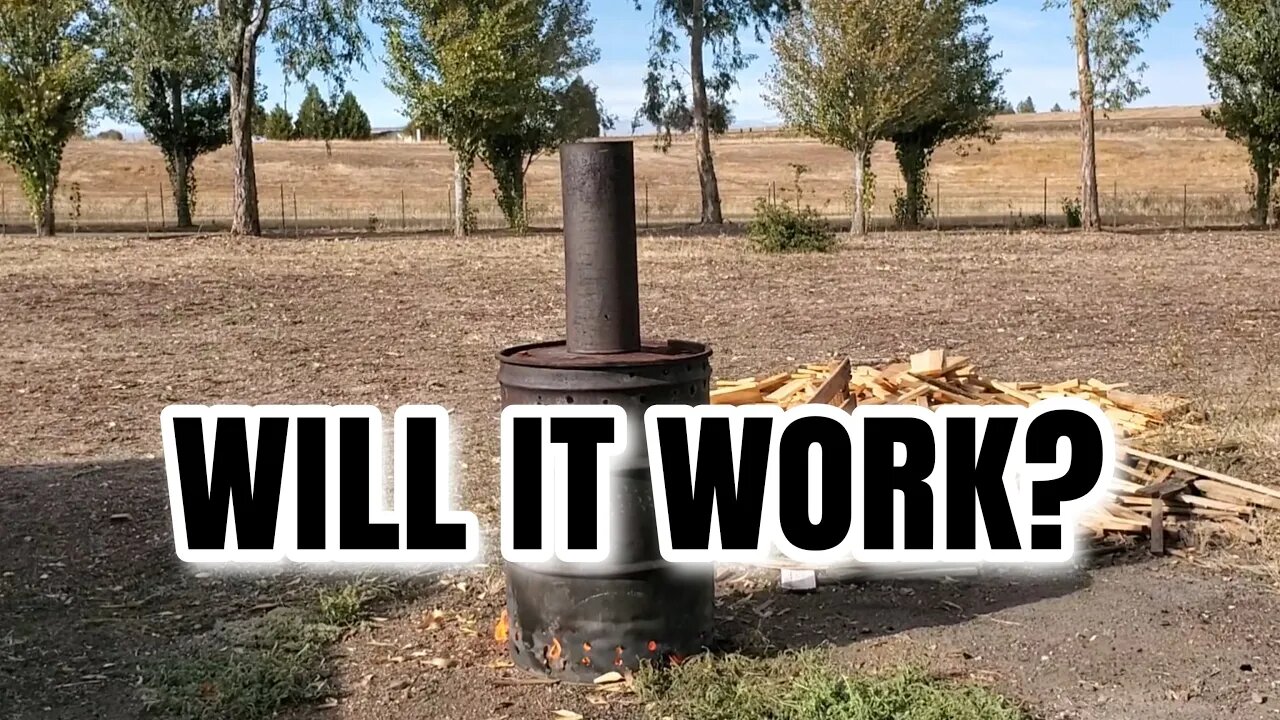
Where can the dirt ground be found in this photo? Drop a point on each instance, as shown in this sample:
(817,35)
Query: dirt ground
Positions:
(99,335)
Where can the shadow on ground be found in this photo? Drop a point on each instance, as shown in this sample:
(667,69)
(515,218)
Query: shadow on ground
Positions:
(92,592)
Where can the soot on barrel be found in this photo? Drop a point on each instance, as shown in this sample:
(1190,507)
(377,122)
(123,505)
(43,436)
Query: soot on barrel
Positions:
(578,621)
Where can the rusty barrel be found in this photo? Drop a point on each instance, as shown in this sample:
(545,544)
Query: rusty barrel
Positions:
(576,621)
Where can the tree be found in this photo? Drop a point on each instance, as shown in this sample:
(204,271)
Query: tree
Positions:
(1006,107)
(278,125)
(1242,59)
(315,121)
(1027,106)
(581,114)
(1106,35)
(350,121)
(680,119)
(1056,108)
(174,85)
(966,94)
(309,36)
(491,76)
(706,25)
(50,74)
(849,73)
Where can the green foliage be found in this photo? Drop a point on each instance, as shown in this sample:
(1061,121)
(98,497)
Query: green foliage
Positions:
(173,84)
(1027,106)
(1072,212)
(1056,108)
(850,74)
(779,227)
(50,74)
(315,121)
(75,200)
(581,114)
(350,121)
(908,209)
(257,117)
(666,103)
(278,125)
(679,119)
(1242,60)
(491,76)
(966,95)
(805,686)
(1005,107)
(1116,29)
(783,227)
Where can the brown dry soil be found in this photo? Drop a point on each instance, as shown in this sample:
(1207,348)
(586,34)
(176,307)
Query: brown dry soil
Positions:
(99,335)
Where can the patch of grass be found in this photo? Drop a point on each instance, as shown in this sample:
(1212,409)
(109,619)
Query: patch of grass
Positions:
(254,668)
(805,686)
(343,606)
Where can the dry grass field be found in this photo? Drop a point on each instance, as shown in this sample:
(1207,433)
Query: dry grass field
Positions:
(1147,159)
(97,615)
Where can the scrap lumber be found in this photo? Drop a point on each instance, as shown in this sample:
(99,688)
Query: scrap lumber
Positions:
(1149,493)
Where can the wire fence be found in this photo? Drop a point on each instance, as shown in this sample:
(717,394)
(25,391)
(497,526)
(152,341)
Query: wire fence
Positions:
(288,209)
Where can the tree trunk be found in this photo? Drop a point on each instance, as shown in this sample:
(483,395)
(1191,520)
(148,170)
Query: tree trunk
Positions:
(179,163)
(701,131)
(244,189)
(1264,174)
(461,206)
(1090,215)
(913,159)
(44,215)
(860,157)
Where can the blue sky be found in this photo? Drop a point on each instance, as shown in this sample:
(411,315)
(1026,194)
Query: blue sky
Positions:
(1033,41)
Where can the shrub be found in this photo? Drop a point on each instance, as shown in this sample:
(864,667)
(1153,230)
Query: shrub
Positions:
(780,227)
(1071,209)
(115,135)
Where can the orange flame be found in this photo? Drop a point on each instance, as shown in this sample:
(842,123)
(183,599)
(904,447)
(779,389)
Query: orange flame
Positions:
(500,630)
(553,650)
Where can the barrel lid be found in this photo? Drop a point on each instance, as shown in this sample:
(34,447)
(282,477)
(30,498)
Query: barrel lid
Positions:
(555,354)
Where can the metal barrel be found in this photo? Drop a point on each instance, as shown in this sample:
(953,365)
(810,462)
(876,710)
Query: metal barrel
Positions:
(577,621)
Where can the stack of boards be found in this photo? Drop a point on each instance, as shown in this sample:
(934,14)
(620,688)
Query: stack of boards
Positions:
(1148,491)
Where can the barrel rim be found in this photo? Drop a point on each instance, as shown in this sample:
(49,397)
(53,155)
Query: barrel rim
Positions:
(554,354)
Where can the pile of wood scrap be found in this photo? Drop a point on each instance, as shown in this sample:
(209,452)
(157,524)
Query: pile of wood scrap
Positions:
(1148,491)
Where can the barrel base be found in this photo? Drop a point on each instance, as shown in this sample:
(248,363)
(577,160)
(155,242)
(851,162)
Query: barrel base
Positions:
(575,628)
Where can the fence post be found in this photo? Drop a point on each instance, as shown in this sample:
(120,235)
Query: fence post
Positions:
(1044,214)
(4,214)
(146,213)
(283,227)
(402,223)
(294,192)
(1184,205)
(161,196)
(646,204)
(450,225)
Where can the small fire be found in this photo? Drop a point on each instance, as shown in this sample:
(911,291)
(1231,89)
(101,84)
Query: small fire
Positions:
(553,650)
(500,630)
